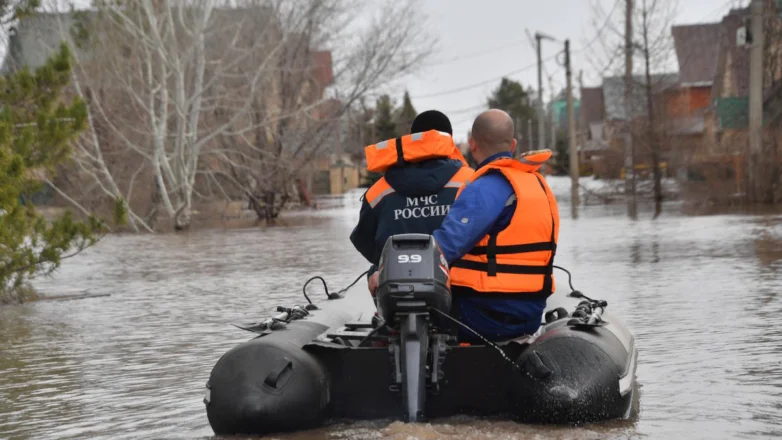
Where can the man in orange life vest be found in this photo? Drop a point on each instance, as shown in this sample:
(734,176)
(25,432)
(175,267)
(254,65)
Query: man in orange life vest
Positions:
(423,172)
(500,236)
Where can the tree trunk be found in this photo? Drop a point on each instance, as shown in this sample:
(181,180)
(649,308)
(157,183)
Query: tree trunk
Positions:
(183,217)
(257,208)
(269,214)
(655,147)
(151,217)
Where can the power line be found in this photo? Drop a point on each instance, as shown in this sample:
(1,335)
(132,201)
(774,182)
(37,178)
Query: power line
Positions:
(476,54)
(531,66)
(599,31)
(466,110)
(523,69)
(482,83)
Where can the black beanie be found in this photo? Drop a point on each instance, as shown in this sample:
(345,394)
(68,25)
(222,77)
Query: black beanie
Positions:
(431,120)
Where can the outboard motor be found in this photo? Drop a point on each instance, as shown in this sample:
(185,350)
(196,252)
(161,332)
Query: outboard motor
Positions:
(413,279)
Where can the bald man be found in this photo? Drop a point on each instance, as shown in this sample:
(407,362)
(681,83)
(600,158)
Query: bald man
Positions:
(500,235)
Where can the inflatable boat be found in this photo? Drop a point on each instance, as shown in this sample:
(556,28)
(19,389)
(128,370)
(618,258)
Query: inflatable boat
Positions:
(337,360)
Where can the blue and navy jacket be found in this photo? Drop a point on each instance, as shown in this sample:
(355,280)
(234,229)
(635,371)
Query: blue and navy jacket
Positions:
(482,208)
(413,198)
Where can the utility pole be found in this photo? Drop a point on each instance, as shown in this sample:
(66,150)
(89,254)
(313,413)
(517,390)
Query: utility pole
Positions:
(571,135)
(632,207)
(756,101)
(552,118)
(541,115)
(529,134)
(340,149)
(541,125)
(581,127)
(552,121)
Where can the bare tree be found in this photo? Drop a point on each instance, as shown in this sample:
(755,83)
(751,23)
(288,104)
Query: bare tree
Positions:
(158,72)
(100,171)
(222,99)
(656,47)
(324,43)
(652,42)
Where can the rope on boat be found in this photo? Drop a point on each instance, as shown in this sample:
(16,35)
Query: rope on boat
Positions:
(288,314)
(488,342)
(569,276)
(329,295)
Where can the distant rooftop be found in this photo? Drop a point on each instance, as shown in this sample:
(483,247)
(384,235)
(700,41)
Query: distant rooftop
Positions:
(614,89)
(697,47)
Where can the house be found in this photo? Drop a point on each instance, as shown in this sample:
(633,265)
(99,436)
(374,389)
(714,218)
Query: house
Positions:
(713,104)
(603,120)
(591,136)
(687,106)
(615,119)
(333,169)
(730,88)
(696,52)
(558,111)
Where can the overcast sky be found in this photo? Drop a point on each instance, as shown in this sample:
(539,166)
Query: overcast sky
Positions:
(489,37)
(482,40)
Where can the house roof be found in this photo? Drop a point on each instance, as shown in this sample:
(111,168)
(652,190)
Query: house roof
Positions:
(592,107)
(696,51)
(614,89)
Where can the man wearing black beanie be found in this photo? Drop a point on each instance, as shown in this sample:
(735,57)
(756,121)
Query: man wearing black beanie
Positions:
(417,189)
(431,120)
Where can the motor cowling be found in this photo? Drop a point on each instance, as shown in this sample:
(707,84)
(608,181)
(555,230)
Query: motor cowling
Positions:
(413,277)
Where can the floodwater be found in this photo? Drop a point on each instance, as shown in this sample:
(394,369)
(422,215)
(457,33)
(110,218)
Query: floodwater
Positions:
(701,294)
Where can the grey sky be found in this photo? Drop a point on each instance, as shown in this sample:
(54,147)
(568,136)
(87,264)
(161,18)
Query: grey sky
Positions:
(467,27)
(489,38)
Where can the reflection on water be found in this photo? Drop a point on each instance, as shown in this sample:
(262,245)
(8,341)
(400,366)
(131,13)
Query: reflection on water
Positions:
(700,293)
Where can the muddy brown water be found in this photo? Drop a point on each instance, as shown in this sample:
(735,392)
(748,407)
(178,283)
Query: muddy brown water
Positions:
(702,295)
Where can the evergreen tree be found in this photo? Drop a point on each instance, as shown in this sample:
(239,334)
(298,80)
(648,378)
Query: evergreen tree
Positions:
(385,128)
(562,160)
(405,116)
(511,97)
(36,127)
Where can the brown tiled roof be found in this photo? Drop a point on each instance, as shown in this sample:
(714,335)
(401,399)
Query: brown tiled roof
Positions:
(592,107)
(696,50)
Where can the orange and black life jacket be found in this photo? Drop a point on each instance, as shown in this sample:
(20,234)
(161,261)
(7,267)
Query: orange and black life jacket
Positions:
(412,148)
(519,259)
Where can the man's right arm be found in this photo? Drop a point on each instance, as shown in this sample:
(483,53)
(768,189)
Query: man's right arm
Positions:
(472,215)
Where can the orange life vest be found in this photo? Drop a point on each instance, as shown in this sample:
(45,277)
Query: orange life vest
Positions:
(519,259)
(411,148)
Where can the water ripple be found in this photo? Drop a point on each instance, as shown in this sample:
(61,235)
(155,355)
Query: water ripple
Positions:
(701,294)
